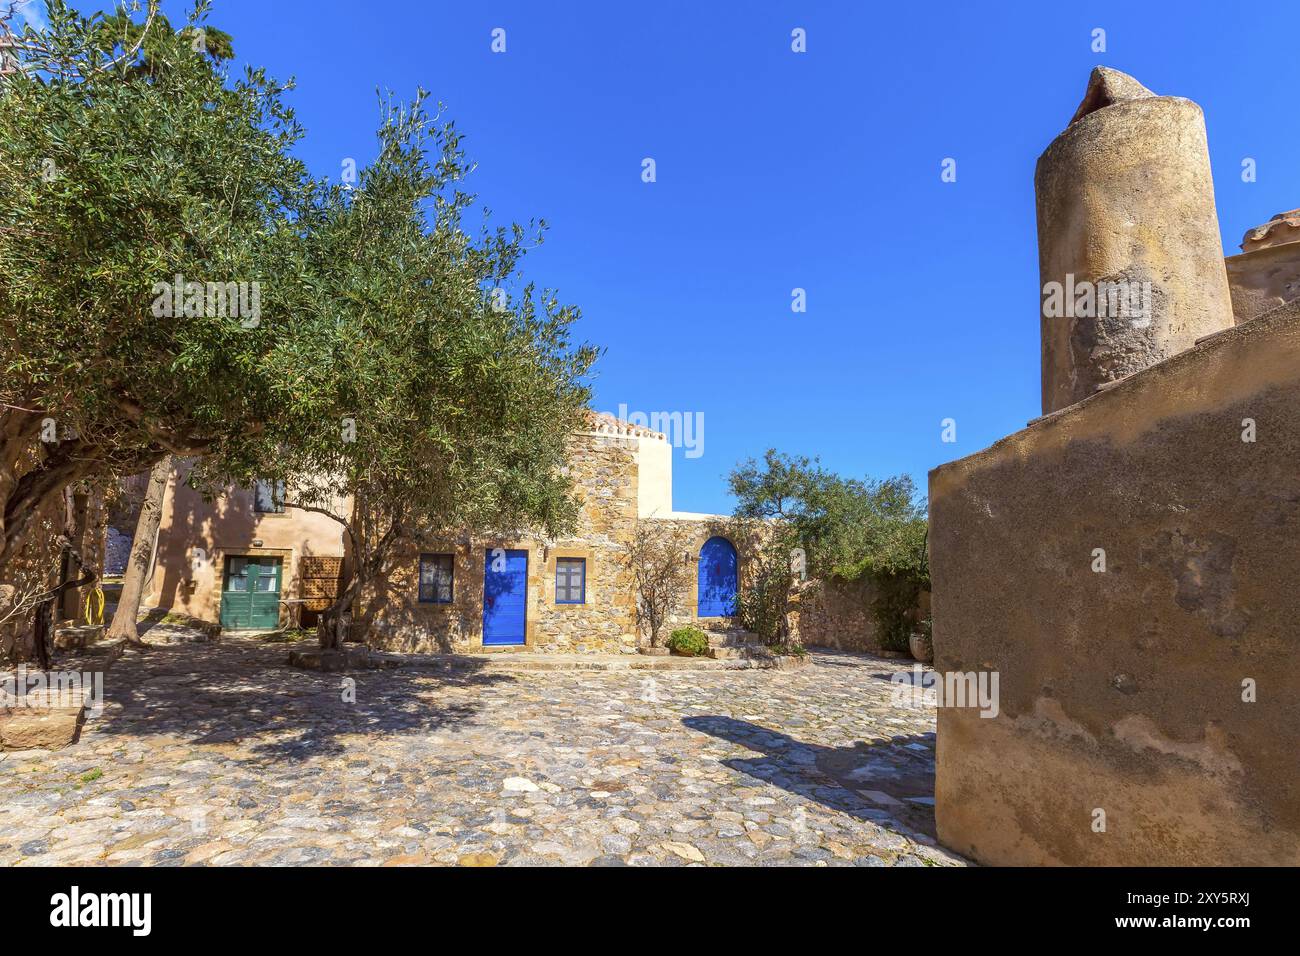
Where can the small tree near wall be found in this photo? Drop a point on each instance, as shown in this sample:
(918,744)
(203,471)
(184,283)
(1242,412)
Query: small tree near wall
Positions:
(840,528)
(657,558)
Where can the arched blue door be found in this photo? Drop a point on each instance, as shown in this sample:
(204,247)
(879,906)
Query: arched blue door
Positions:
(717,579)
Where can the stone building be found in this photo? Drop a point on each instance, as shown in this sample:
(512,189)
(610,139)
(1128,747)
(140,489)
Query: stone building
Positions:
(249,561)
(1267,273)
(1126,564)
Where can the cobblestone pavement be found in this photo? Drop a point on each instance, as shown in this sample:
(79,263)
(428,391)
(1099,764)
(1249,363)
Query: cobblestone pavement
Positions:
(219,753)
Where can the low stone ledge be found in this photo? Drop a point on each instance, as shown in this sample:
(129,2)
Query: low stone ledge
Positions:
(361,658)
(789,662)
(200,633)
(44,721)
(612,662)
(53,730)
(78,637)
(341,659)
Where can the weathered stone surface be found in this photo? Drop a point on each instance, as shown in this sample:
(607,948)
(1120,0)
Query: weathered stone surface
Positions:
(1130,690)
(41,719)
(1106,87)
(1267,273)
(337,659)
(220,754)
(77,637)
(50,730)
(1282,229)
(1125,195)
(838,614)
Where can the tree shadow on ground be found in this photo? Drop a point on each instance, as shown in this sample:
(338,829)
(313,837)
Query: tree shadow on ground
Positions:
(878,781)
(242,694)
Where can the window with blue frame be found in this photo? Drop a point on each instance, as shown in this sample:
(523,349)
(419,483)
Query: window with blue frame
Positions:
(436,578)
(570,580)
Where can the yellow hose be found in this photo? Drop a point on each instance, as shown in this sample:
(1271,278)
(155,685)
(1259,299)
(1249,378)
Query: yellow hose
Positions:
(94,615)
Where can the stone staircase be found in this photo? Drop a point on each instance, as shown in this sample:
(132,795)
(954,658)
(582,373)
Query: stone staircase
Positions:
(735,643)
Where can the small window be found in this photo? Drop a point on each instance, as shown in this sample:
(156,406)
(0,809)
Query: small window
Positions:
(237,575)
(570,580)
(268,497)
(436,572)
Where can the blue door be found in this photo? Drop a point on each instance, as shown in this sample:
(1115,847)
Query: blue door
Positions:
(505,596)
(717,579)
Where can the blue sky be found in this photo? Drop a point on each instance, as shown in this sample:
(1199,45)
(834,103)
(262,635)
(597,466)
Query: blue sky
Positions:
(777,171)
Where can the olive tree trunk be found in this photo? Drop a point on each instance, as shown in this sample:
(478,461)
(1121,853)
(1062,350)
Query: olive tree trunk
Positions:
(137,566)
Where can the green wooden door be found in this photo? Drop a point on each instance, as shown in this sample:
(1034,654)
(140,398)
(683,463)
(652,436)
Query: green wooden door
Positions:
(250,595)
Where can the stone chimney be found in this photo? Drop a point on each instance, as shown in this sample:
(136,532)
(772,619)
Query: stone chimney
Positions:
(1129,253)
(1267,273)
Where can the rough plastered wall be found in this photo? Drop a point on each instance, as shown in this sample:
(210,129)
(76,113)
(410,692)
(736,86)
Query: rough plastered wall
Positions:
(1267,273)
(1122,691)
(603,467)
(196,537)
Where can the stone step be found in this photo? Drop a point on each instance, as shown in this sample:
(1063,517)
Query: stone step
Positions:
(716,624)
(507,663)
(753,650)
(44,719)
(732,638)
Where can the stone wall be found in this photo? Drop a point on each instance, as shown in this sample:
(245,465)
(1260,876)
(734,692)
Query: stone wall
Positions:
(1128,691)
(603,468)
(838,614)
(695,532)
(35,563)
(1267,273)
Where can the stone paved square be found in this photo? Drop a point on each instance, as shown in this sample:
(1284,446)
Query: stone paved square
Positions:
(220,753)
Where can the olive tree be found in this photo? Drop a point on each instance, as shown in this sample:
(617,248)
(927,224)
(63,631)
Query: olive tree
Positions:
(827,526)
(174,282)
(135,174)
(415,396)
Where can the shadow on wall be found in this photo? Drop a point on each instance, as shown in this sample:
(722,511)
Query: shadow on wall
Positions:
(230,524)
(392,617)
(896,772)
(205,694)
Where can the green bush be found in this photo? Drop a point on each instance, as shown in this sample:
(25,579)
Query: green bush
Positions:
(837,527)
(764,594)
(893,609)
(689,641)
(794,650)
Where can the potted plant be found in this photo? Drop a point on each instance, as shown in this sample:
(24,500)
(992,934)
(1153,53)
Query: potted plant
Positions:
(921,642)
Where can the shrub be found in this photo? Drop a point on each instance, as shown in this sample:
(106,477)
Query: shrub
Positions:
(689,641)
(660,578)
(794,650)
(839,527)
(893,608)
(763,599)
